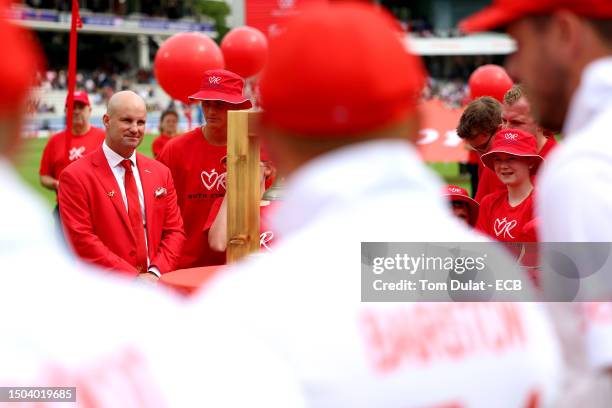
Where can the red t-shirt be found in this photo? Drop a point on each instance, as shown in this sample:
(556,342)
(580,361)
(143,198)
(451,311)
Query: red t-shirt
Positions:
(512,225)
(505,223)
(54,160)
(199,178)
(158,144)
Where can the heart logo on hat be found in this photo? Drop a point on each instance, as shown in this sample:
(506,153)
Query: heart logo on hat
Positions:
(511,136)
(213,180)
(504,227)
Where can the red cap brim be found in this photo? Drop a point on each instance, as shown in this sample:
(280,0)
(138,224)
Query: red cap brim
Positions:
(487,158)
(209,95)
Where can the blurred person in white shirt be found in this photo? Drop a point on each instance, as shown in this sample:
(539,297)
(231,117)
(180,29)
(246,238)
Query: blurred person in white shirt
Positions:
(66,325)
(340,120)
(564,61)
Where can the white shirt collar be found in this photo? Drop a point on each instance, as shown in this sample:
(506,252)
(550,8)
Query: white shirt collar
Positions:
(592,96)
(355,172)
(113,158)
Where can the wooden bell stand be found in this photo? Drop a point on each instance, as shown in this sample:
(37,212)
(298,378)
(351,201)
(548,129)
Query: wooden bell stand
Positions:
(243,195)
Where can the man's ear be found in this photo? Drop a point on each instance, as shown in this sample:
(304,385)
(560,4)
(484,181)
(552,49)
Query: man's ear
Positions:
(106,120)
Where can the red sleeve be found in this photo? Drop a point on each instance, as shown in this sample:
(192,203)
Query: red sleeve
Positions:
(212,215)
(76,220)
(173,235)
(46,166)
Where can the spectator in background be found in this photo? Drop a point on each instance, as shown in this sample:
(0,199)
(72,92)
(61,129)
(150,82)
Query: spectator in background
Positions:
(509,215)
(84,139)
(514,158)
(462,205)
(516,114)
(197,162)
(480,120)
(168,123)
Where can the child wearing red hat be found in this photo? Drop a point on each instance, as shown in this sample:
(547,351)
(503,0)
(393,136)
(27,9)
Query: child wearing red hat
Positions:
(197,162)
(506,215)
(463,206)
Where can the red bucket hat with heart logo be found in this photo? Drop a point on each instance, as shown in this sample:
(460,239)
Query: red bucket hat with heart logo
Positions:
(515,142)
(221,85)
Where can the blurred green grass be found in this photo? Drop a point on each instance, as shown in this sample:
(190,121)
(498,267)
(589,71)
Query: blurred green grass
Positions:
(28,162)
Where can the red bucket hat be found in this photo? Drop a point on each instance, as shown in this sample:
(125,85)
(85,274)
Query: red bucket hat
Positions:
(221,85)
(456,193)
(504,12)
(80,96)
(339,68)
(514,142)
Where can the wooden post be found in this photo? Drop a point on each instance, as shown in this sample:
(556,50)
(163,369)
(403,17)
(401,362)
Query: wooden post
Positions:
(243,195)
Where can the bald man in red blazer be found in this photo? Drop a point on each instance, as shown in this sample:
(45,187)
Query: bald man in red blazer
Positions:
(95,193)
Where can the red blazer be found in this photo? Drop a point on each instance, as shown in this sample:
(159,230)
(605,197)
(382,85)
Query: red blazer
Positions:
(96,222)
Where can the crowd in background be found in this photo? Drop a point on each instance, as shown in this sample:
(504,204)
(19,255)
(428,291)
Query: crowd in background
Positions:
(100,85)
(172,9)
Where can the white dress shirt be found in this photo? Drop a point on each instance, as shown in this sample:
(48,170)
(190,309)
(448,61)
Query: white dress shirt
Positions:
(114,161)
(304,298)
(72,325)
(574,201)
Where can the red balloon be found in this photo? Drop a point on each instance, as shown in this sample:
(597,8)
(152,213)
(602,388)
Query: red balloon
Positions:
(245,50)
(181,60)
(490,80)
